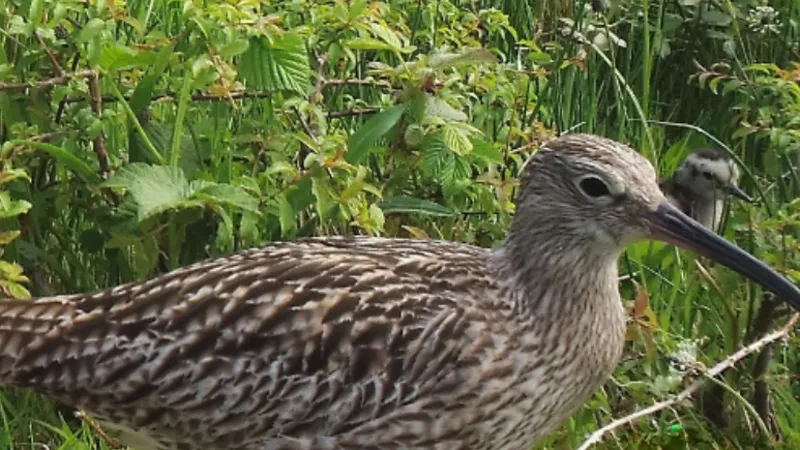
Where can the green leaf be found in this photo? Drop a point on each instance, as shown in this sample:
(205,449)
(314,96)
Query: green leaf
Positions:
(229,195)
(280,64)
(12,208)
(35,12)
(440,108)
(142,95)
(716,18)
(118,57)
(249,230)
(154,188)
(6,237)
(486,151)
(231,49)
(145,256)
(456,139)
(8,176)
(370,132)
(224,239)
(367,44)
(287,217)
(62,155)
(471,56)
(91,30)
(406,204)
(14,290)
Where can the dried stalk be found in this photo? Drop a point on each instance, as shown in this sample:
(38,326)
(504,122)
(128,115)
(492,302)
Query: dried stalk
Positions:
(719,368)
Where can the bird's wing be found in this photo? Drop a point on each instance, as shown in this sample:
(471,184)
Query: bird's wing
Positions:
(315,336)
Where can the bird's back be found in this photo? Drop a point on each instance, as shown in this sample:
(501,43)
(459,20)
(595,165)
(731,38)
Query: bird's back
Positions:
(269,348)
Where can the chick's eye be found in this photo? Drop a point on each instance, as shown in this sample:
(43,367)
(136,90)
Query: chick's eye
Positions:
(707,175)
(594,187)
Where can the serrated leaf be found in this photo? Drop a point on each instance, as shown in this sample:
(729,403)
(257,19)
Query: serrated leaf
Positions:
(370,132)
(229,195)
(155,189)
(456,139)
(440,108)
(280,64)
(486,151)
(405,204)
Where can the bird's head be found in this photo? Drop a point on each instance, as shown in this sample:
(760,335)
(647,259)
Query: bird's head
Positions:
(591,195)
(708,173)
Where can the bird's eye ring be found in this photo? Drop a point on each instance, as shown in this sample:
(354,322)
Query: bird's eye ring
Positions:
(594,187)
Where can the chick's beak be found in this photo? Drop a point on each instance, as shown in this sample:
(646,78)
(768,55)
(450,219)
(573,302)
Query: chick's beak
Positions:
(669,224)
(738,193)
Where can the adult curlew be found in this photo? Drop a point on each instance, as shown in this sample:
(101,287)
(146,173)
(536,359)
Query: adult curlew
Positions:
(372,343)
(701,184)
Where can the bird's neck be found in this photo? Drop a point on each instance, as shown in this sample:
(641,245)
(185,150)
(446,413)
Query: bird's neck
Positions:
(709,212)
(562,275)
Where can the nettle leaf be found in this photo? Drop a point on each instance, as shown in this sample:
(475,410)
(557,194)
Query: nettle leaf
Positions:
(370,132)
(155,189)
(457,139)
(440,108)
(277,64)
(486,151)
(439,161)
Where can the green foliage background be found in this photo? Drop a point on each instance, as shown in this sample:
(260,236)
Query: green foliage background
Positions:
(140,136)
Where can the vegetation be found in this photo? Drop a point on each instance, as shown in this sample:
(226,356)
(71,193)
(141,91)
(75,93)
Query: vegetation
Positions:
(141,136)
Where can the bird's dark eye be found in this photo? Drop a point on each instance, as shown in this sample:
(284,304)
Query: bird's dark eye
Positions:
(594,187)
(707,175)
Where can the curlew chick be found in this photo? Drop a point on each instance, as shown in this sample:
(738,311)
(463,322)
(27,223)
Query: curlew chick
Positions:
(372,343)
(701,184)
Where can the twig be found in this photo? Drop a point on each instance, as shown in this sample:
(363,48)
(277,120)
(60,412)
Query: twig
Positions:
(81,414)
(722,366)
(50,54)
(358,82)
(352,112)
(96,101)
(48,83)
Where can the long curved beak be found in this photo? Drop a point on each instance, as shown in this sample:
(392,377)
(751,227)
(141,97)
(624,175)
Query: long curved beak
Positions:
(738,193)
(669,224)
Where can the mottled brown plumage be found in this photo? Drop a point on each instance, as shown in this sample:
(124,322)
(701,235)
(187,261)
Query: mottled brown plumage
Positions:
(370,343)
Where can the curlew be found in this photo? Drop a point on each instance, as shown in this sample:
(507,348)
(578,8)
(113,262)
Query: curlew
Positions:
(372,343)
(701,184)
